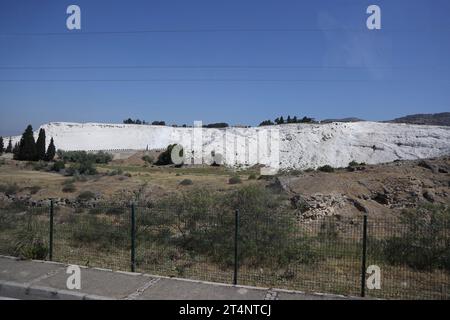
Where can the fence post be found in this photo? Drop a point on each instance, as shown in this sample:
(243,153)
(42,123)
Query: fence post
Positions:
(50,241)
(236,234)
(364,257)
(133,238)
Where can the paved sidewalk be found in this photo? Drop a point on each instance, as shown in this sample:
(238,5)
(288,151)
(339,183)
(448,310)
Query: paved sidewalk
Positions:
(20,279)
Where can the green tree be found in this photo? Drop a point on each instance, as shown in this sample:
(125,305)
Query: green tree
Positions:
(27,146)
(2,146)
(51,151)
(40,145)
(15,151)
(9,147)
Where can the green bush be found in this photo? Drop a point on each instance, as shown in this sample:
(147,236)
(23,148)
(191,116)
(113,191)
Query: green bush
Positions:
(58,166)
(326,168)
(116,172)
(186,182)
(93,230)
(234,180)
(86,196)
(252,176)
(69,188)
(165,157)
(148,159)
(9,189)
(267,236)
(39,166)
(353,163)
(34,189)
(83,168)
(30,244)
(425,244)
(83,157)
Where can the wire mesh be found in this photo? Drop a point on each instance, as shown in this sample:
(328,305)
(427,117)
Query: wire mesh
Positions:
(274,249)
(96,236)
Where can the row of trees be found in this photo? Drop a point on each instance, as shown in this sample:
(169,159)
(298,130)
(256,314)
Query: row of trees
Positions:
(281,120)
(163,123)
(137,121)
(28,149)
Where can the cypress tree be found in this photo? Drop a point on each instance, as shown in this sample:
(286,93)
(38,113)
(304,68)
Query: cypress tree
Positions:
(2,146)
(27,146)
(40,145)
(9,148)
(16,151)
(51,151)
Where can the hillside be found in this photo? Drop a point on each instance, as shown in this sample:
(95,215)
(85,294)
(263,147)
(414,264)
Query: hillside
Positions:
(436,119)
(301,146)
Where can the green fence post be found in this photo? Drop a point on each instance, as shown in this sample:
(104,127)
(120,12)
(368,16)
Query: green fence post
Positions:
(133,238)
(364,257)
(236,234)
(50,242)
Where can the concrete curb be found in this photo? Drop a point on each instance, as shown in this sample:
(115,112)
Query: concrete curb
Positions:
(30,292)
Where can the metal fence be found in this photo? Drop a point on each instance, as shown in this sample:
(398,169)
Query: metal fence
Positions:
(277,250)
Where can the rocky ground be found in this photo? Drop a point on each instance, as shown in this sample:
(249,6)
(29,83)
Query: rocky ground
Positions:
(378,190)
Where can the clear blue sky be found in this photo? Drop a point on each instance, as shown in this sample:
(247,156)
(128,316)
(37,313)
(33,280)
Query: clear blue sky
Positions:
(406,65)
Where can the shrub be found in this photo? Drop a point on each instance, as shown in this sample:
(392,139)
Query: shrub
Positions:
(58,166)
(30,244)
(425,245)
(148,159)
(83,168)
(353,163)
(83,157)
(186,182)
(252,176)
(9,189)
(34,189)
(86,196)
(69,188)
(234,180)
(267,235)
(328,231)
(98,232)
(326,168)
(39,166)
(116,172)
(165,158)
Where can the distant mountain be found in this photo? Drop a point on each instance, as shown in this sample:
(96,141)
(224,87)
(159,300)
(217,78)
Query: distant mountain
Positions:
(436,119)
(341,120)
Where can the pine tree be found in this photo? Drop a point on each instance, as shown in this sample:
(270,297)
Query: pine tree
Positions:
(40,145)
(288,120)
(294,119)
(27,146)
(9,148)
(2,146)
(51,151)
(281,120)
(16,151)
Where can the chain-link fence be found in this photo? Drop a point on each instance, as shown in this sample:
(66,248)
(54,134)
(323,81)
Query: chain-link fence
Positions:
(356,256)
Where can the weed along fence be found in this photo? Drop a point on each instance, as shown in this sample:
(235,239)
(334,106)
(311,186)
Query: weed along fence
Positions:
(359,256)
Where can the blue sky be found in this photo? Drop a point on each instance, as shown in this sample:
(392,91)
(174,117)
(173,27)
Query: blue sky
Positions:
(350,71)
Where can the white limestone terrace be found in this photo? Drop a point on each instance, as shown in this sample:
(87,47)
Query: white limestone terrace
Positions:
(291,146)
